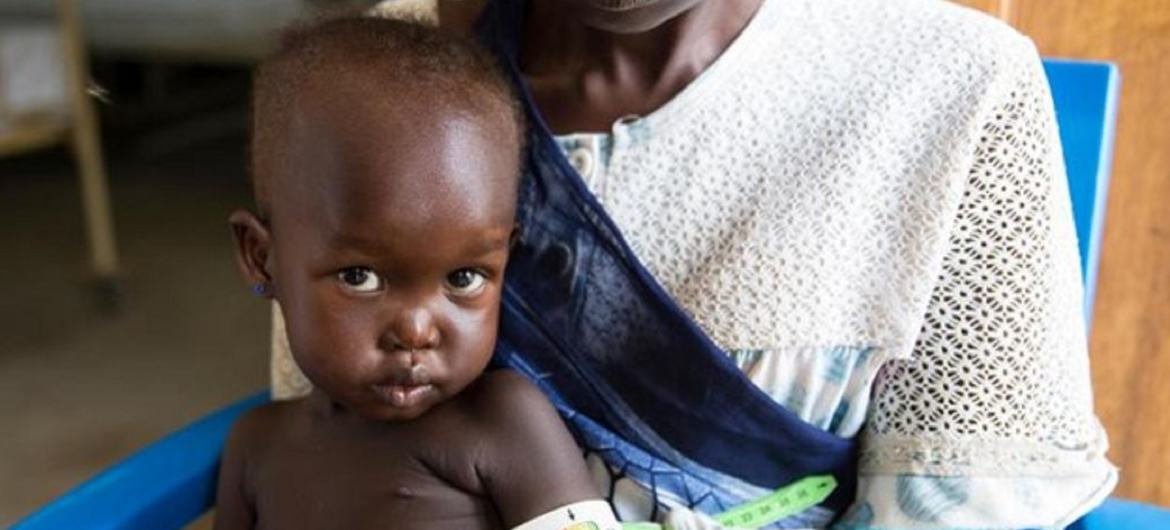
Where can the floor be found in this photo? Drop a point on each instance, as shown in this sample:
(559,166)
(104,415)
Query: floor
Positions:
(81,387)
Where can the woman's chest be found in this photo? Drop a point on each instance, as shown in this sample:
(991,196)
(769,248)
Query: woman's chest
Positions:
(776,229)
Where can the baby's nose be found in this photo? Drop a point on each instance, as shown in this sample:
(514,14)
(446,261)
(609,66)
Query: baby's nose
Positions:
(411,329)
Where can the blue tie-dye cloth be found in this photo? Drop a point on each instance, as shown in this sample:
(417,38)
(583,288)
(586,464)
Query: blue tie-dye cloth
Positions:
(639,383)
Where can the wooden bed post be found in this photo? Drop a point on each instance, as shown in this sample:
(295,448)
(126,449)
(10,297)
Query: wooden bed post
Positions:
(87,150)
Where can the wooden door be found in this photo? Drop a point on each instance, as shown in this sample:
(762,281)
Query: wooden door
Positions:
(1130,339)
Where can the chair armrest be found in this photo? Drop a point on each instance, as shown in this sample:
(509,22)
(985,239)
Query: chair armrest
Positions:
(1118,514)
(166,485)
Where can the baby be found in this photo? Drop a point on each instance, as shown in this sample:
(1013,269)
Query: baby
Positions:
(385,162)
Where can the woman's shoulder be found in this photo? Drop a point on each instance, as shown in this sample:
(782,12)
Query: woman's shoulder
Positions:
(932,40)
(915,23)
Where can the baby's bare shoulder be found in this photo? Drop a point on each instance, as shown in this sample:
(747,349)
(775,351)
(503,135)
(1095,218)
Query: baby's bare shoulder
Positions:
(251,436)
(527,460)
(506,407)
(504,397)
(262,426)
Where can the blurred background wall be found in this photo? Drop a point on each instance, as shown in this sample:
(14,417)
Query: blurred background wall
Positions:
(1130,339)
(88,375)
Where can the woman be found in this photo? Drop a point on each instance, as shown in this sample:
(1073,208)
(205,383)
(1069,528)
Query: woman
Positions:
(864,204)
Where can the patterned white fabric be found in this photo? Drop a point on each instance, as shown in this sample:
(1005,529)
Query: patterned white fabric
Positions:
(865,202)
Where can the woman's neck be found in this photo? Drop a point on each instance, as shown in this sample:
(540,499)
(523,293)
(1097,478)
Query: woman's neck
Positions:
(585,79)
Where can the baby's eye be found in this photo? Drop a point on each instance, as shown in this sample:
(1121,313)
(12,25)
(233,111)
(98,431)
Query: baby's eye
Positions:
(465,282)
(360,279)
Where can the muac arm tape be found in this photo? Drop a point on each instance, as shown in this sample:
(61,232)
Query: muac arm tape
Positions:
(784,502)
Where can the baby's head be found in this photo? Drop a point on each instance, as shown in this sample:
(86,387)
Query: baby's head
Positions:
(385,162)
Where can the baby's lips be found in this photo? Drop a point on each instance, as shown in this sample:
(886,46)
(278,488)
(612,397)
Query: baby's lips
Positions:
(403,396)
(409,396)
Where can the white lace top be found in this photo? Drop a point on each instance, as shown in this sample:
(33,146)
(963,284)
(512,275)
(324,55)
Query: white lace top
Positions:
(865,201)
(856,182)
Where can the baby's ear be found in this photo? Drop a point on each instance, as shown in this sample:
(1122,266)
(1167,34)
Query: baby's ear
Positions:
(514,237)
(253,247)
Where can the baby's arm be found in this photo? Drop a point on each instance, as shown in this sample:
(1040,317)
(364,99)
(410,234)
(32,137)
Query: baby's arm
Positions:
(531,466)
(232,509)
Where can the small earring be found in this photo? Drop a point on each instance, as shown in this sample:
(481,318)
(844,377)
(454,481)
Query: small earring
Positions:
(262,289)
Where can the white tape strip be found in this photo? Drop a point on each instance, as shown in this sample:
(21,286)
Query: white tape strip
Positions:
(585,515)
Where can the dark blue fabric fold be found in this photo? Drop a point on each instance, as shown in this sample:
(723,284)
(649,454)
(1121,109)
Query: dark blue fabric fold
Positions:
(635,377)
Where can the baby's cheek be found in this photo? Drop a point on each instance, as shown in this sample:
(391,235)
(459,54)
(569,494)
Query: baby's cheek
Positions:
(325,353)
(476,346)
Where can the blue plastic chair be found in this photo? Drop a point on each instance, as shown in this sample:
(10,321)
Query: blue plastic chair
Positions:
(1085,94)
(172,482)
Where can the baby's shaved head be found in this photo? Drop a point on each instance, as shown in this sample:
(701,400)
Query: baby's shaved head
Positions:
(376,63)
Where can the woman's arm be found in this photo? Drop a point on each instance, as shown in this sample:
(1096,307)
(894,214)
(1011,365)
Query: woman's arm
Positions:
(991,425)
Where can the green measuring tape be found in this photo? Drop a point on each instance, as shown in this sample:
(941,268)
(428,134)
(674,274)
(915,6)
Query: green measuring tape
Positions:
(784,502)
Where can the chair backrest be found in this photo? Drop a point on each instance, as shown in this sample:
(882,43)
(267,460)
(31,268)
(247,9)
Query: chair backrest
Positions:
(1085,94)
(163,486)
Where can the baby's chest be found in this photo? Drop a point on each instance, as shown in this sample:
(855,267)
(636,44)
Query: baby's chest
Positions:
(357,489)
